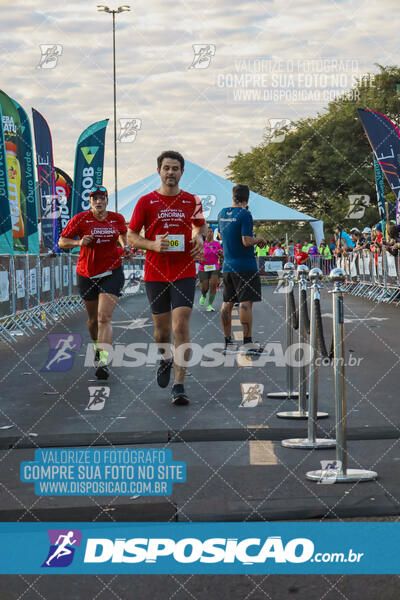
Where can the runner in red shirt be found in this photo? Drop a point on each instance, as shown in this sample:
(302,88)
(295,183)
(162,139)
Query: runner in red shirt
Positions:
(174,227)
(99,270)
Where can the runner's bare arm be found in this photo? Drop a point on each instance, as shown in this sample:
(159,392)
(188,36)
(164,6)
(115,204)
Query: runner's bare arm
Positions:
(124,243)
(67,243)
(138,241)
(247,241)
(197,240)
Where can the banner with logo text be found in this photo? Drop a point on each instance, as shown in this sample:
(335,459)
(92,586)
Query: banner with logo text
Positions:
(199,548)
(29,183)
(64,197)
(384,138)
(89,165)
(46,179)
(17,189)
(6,237)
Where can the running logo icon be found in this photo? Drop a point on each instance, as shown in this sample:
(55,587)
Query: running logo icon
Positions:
(50,54)
(203,54)
(330,469)
(129,129)
(208,201)
(62,351)
(273,131)
(251,394)
(98,397)
(63,543)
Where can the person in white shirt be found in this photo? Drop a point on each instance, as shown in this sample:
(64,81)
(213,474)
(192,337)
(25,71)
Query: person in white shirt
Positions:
(279,251)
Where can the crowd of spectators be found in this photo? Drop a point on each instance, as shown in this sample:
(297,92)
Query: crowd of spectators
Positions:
(373,239)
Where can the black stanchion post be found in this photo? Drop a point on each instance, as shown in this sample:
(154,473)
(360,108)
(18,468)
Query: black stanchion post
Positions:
(311,441)
(301,413)
(289,280)
(340,473)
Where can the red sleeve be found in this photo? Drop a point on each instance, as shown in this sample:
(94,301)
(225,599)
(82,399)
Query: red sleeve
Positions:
(122,226)
(197,218)
(72,228)
(137,221)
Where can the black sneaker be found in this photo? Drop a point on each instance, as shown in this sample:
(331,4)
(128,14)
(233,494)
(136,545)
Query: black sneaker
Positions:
(164,372)
(102,371)
(253,349)
(231,348)
(179,398)
(96,356)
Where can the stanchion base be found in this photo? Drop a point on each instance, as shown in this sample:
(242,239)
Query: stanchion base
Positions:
(296,414)
(351,475)
(306,443)
(283,395)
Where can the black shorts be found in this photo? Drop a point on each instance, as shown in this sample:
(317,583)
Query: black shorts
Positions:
(90,287)
(164,296)
(242,287)
(206,275)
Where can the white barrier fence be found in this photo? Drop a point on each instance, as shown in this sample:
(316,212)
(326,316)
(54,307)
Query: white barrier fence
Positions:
(372,275)
(40,289)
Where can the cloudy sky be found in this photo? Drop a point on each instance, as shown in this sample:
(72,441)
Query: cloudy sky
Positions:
(207,78)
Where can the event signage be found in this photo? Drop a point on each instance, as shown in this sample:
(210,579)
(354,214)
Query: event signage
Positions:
(89,165)
(47,193)
(384,138)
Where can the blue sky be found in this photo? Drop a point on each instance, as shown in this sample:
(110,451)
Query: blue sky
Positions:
(312,48)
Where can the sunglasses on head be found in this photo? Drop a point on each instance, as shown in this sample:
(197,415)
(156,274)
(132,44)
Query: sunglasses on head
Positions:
(98,188)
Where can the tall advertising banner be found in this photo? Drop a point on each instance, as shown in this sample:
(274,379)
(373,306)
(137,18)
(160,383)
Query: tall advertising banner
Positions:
(379,188)
(384,138)
(29,184)
(15,172)
(64,197)
(6,237)
(46,179)
(89,165)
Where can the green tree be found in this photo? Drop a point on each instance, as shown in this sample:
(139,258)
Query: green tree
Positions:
(325,159)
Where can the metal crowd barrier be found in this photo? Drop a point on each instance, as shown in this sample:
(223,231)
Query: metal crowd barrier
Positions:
(269,265)
(36,290)
(373,276)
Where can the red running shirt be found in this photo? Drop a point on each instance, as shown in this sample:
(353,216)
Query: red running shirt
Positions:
(174,215)
(103,253)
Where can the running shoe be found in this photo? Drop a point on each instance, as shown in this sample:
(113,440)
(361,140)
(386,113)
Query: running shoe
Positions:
(231,348)
(102,371)
(179,398)
(164,372)
(210,308)
(96,356)
(253,349)
(202,301)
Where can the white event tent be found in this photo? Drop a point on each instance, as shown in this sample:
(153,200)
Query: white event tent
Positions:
(215,193)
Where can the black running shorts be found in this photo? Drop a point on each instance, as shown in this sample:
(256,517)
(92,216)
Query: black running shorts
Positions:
(91,287)
(242,287)
(164,296)
(206,275)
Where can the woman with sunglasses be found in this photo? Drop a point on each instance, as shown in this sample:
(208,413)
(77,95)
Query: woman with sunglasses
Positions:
(99,268)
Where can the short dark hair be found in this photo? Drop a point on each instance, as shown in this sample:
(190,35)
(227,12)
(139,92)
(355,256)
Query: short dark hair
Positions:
(392,229)
(240,193)
(170,154)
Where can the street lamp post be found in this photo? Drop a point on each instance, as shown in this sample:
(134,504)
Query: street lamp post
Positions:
(124,8)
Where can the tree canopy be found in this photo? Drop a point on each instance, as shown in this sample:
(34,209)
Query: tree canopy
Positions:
(325,159)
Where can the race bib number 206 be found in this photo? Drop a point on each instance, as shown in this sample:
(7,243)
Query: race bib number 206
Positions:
(176,243)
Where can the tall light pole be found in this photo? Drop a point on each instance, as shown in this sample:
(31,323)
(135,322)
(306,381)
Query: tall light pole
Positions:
(124,8)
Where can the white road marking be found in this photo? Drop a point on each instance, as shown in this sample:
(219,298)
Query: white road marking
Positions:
(132,324)
(348,320)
